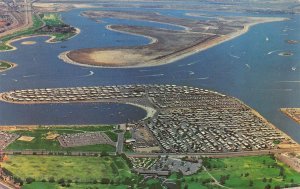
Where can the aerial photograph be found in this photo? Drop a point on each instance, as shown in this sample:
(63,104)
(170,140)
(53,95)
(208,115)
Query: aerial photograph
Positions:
(149,94)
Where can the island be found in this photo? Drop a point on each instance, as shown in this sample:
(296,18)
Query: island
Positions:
(286,53)
(165,45)
(292,42)
(4,65)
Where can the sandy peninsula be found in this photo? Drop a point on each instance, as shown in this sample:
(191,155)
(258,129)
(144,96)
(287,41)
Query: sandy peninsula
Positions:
(165,45)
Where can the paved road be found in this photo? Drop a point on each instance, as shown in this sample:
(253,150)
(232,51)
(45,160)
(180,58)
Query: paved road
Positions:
(120,143)
(218,154)
(134,154)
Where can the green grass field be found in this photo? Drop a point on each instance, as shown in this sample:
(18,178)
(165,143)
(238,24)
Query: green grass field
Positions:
(242,171)
(112,135)
(52,19)
(45,185)
(80,169)
(55,20)
(40,142)
(127,135)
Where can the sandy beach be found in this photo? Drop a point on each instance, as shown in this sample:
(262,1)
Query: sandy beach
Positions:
(124,58)
(150,111)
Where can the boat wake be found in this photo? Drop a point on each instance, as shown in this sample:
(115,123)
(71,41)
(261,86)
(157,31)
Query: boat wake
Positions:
(154,75)
(289,81)
(26,76)
(248,66)
(144,70)
(271,52)
(234,56)
(90,74)
(202,78)
(192,63)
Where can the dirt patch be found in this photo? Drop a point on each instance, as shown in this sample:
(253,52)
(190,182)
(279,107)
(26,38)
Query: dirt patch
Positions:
(51,136)
(25,138)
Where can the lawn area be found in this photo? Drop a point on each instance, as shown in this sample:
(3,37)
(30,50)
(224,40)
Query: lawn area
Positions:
(241,171)
(194,181)
(46,185)
(80,169)
(127,135)
(40,141)
(253,172)
(52,19)
(112,135)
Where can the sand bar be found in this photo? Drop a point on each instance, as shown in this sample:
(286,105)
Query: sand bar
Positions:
(166,46)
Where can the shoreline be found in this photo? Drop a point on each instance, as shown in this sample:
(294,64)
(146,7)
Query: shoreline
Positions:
(271,125)
(152,39)
(51,37)
(179,55)
(13,65)
(288,114)
(149,110)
